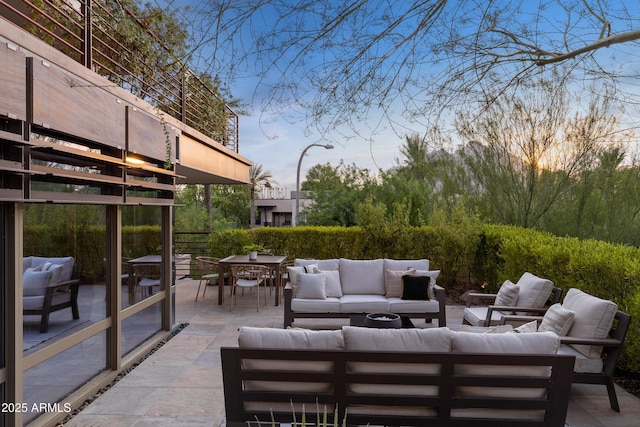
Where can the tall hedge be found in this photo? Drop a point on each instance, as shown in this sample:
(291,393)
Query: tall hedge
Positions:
(491,254)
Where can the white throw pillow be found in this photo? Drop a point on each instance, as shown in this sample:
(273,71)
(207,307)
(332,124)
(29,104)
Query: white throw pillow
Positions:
(294,271)
(507,294)
(433,275)
(56,273)
(393,282)
(557,319)
(311,286)
(526,328)
(35,282)
(333,285)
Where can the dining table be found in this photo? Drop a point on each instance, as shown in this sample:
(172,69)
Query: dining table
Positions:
(273,262)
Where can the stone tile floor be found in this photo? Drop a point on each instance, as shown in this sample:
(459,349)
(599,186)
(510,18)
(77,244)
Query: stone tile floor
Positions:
(180,385)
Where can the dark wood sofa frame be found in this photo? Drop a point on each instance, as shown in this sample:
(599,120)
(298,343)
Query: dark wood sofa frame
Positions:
(290,315)
(611,349)
(554,404)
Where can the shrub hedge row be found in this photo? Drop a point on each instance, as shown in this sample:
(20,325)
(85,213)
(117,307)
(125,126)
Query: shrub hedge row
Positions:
(488,253)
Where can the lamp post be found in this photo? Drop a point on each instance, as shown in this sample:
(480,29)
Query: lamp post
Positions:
(328,147)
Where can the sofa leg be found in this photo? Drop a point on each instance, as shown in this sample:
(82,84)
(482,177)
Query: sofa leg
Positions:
(613,398)
(44,323)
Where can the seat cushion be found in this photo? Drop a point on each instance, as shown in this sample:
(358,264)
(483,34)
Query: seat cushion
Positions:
(292,339)
(593,319)
(534,291)
(327,305)
(362,277)
(476,316)
(364,304)
(583,364)
(507,343)
(399,306)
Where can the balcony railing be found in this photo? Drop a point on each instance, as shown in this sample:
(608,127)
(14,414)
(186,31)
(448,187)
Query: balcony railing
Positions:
(108,38)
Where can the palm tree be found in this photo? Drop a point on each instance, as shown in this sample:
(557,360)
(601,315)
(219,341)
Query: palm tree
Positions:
(257,180)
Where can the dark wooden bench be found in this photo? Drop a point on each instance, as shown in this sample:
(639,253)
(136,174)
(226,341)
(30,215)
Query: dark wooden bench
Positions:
(435,389)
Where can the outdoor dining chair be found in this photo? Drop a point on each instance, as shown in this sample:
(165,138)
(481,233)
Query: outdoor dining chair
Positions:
(247,276)
(208,269)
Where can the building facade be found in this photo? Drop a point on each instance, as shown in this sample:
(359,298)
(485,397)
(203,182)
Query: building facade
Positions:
(88,171)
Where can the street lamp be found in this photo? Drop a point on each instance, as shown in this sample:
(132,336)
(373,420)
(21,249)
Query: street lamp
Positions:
(328,147)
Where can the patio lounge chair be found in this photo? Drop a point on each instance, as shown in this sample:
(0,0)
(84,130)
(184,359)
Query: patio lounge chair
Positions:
(529,292)
(595,337)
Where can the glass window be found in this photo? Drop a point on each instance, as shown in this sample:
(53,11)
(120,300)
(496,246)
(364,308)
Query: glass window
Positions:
(141,326)
(141,237)
(63,268)
(52,380)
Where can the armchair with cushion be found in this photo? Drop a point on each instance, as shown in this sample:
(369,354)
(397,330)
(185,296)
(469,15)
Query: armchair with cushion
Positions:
(591,329)
(47,287)
(530,292)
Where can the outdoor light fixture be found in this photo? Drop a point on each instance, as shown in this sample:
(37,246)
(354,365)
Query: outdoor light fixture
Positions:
(134,160)
(328,147)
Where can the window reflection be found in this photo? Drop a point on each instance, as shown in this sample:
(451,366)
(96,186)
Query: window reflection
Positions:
(140,327)
(63,271)
(57,377)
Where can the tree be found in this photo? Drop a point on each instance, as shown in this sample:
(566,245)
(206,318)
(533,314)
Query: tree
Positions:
(525,152)
(369,58)
(257,180)
(336,193)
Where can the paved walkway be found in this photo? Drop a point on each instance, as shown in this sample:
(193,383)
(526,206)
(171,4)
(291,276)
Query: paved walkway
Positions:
(180,385)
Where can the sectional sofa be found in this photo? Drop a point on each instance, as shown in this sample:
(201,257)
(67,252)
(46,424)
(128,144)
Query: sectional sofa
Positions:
(397,377)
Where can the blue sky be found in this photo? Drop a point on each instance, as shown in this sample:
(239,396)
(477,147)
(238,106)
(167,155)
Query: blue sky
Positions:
(275,142)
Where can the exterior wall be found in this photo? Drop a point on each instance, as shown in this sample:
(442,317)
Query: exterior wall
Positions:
(278,211)
(67,137)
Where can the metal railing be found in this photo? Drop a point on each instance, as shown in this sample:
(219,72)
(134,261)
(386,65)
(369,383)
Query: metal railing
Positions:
(107,37)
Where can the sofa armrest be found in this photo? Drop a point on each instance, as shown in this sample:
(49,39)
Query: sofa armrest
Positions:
(442,310)
(510,319)
(476,296)
(607,342)
(64,286)
(511,309)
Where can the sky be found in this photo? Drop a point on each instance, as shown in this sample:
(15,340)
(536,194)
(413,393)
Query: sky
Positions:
(276,143)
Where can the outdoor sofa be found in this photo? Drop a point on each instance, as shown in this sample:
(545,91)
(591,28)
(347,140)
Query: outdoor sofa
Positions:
(335,288)
(408,377)
(47,286)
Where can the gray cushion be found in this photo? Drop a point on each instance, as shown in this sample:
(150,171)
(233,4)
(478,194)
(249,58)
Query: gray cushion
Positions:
(393,282)
(34,283)
(507,294)
(364,304)
(593,319)
(323,264)
(311,286)
(534,291)
(362,277)
(557,319)
(333,285)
